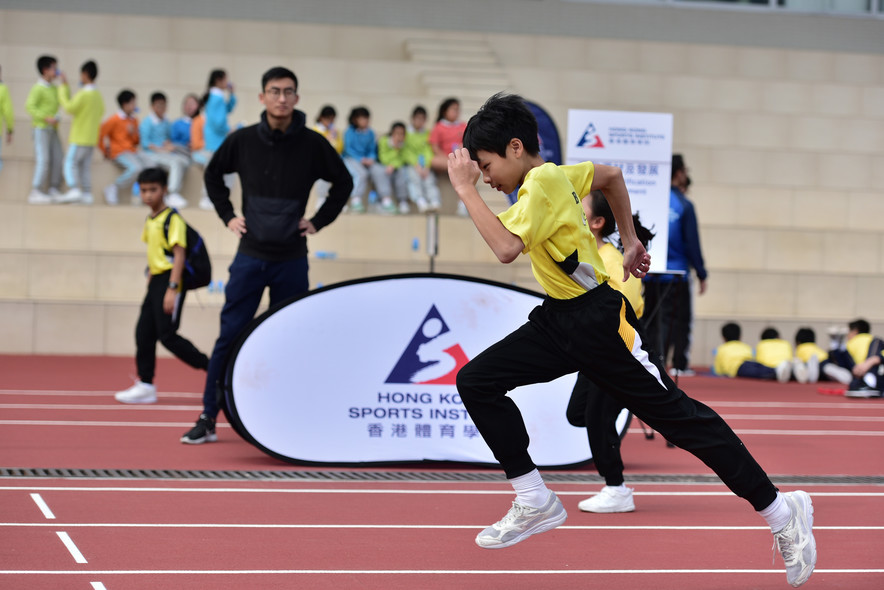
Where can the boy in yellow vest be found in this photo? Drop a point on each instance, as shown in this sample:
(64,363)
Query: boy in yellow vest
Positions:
(862,354)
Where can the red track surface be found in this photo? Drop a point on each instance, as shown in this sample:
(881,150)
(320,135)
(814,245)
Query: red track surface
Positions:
(58,412)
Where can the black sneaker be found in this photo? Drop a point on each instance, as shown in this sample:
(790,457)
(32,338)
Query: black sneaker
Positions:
(203,431)
(863,391)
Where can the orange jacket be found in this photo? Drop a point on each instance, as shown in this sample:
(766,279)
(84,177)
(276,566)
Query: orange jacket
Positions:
(197,139)
(118,135)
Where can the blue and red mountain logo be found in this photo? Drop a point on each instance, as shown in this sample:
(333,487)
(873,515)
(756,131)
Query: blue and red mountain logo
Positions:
(590,138)
(433,357)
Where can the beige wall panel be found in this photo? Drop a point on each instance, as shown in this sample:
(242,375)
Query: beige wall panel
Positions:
(738,167)
(588,88)
(868,298)
(766,294)
(613,56)
(834,99)
(786,97)
(763,131)
(663,58)
(790,169)
(318,76)
(814,209)
(761,207)
(13,216)
(13,189)
(17,319)
(687,92)
(69,328)
(369,43)
(252,37)
(877,172)
(192,72)
(846,171)
(13,275)
(87,30)
(767,64)
(865,210)
(714,204)
(873,102)
(709,129)
(793,251)
(821,296)
(22,27)
(142,32)
(544,84)
(857,68)
(119,332)
(197,35)
(306,40)
(849,252)
(121,278)
(62,276)
(713,61)
(117,229)
(572,53)
(736,95)
(636,91)
(733,249)
(809,66)
(521,51)
(720,297)
(57,228)
(865,136)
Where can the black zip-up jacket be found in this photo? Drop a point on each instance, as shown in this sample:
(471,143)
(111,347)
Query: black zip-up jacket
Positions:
(276,170)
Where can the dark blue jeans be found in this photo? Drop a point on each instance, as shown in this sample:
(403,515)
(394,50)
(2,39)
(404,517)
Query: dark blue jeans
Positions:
(249,277)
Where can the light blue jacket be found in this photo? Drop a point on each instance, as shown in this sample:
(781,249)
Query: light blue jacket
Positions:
(216,110)
(154,132)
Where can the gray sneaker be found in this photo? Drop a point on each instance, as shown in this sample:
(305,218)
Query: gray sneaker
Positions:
(521,522)
(795,541)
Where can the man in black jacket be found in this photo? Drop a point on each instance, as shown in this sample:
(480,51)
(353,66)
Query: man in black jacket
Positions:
(277,160)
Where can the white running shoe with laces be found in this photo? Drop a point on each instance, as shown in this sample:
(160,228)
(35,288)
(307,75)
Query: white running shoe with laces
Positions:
(521,522)
(610,499)
(795,541)
(140,393)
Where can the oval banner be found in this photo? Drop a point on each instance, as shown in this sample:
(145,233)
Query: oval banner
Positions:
(364,372)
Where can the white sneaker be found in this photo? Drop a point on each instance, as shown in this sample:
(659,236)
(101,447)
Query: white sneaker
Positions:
(388,207)
(673,372)
(813,369)
(72,196)
(176,201)
(422,205)
(462,210)
(404,209)
(800,371)
(784,371)
(38,197)
(521,522)
(836,373)
(140,393)
(206,204)
(110,194)
(356,206)
(795,541)
(609,499)
(55,194)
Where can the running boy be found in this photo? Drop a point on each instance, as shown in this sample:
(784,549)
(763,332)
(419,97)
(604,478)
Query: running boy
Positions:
(583,325)
(161,310)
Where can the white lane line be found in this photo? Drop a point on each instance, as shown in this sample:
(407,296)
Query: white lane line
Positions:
(576,527)
(98,586)
(90,407)
(506,572)
(72,548)
(507,491)
(42,505)
(90,393)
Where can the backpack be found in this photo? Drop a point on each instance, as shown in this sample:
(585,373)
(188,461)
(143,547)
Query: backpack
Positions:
(197,265)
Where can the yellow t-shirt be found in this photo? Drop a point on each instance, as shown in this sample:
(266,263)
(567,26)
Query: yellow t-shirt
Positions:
(729,356)
(631,289)
(158,261)
(773,351)
(550,220)
(805,350)
(858,347)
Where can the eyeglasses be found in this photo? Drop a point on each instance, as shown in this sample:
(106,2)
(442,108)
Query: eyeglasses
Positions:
(274,92)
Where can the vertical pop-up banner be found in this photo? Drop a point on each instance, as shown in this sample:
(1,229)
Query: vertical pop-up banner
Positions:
(640,144)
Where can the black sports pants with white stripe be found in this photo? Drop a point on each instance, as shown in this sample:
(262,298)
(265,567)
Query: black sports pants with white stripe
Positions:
(598,335)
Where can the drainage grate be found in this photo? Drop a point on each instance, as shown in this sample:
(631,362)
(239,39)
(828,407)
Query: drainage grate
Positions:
(404,476)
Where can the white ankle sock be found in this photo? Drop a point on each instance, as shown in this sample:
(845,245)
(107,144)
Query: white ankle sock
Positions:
(778,514)
(530,489)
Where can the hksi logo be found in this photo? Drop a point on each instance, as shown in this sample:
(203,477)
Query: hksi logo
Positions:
(590,138)
(433,357)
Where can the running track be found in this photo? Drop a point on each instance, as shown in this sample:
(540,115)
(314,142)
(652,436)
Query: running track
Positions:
(94,494)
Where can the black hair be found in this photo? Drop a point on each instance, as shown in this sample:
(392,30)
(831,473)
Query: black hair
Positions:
(804,335)
(731,332)
(154,175)
(601,208)
(395,125)
(444,107)
(418,110)
(44,62)
(278,73)
(90,68)
(157,96)
(357,112)
(769,334)
(325,112)
(214,76)
(502,118)
(125,96)
(677,164)
(860,325)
